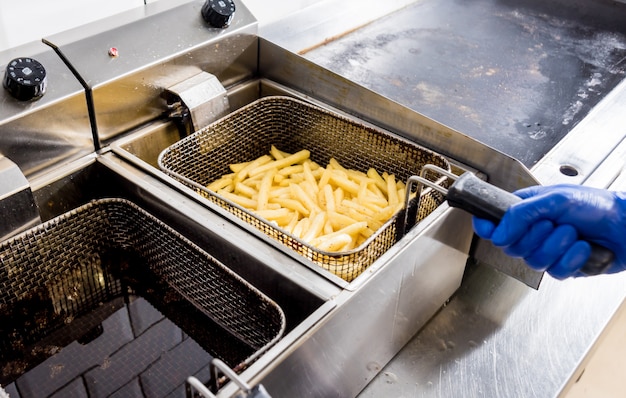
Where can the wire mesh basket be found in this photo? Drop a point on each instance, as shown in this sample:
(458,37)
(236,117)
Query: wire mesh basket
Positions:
(65,259)
(293,125)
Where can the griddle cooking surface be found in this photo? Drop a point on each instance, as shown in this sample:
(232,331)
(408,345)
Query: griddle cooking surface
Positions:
(516,76)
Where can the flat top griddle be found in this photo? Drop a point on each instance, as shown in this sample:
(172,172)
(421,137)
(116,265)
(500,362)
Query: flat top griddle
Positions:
(517,76)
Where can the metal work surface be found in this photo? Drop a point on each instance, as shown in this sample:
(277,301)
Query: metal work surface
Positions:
(497,337)
(515,76)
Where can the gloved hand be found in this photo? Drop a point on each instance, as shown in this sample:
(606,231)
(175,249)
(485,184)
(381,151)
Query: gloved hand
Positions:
(552,226)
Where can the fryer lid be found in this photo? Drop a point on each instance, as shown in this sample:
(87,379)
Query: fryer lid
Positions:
(293,125)
(64,244)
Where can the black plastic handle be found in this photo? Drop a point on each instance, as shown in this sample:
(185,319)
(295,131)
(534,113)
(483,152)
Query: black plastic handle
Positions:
(487,201)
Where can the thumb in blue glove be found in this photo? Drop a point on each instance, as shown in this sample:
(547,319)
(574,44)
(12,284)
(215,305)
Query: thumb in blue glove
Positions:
(552,226)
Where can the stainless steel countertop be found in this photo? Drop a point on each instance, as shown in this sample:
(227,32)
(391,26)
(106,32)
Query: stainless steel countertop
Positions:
(496,337)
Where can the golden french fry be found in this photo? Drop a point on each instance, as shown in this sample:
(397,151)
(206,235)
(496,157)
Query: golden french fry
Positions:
(329,198)
(282,216)
(339,220)
(335,164)
(280,192)
(244,172)
(358,207)
(301,226)
(339,195)
(315,228)
(287,161)
(219,184)
(378,180)
(264,189)
(243,189)
(277,154)
(292,223)
(328,227)
(238,199)
(392,193)
(334,243)
(325,177)
(344,183)
(308,176)
(291,204)
(236,167)
(289,170)
(373,202)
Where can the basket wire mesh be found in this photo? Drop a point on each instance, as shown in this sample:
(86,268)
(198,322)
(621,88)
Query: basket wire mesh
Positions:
(71,247)
(293,125)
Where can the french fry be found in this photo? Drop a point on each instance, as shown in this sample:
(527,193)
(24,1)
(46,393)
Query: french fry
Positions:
(289,170)
(334,243)
(325,177)
(315,228)
(238,199)
(280,163)
(236,167)
(339,220)
(335,164)
(219,184)
(378,180)
(264,189)
(308,176)
(344,183)
(291,204)
(329,198)
(392,192)
(243,189)
(301,226)
(244,172)
(292,223)
(282,216)
(328,227)
(277,154)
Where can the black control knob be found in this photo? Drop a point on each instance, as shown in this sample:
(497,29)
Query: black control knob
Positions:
(25,79)
(218,13)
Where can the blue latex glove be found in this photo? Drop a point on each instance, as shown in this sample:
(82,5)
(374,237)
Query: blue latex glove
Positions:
(552,226)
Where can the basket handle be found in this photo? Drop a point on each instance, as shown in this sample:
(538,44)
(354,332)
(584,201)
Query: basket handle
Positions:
(217,365)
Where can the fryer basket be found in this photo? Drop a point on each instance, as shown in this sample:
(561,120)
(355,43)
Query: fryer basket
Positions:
(44,256)
(292,125)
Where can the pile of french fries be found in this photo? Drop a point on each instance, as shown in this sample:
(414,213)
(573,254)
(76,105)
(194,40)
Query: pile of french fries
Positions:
(332,208)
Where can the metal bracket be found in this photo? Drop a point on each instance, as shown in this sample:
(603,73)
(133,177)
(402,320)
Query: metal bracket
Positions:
(197,101)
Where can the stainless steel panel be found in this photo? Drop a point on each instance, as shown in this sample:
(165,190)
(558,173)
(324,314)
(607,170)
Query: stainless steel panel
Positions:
(55,128)
(17,204)
(601,134)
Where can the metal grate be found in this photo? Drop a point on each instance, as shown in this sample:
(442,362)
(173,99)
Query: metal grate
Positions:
(61,254)
(293,125)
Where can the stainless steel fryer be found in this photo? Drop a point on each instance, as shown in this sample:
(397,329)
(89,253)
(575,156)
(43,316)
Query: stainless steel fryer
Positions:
(339,334)
(293,125)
